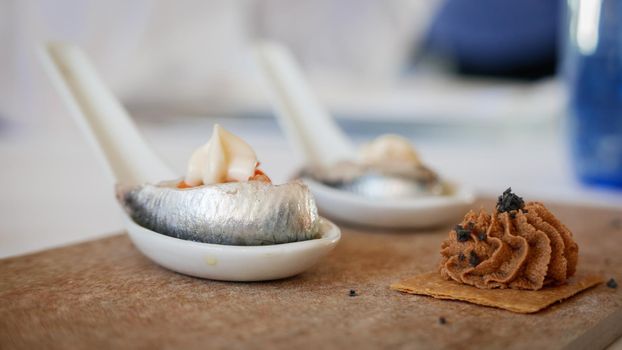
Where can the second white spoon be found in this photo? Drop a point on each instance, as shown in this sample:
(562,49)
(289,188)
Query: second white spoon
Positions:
(322,144)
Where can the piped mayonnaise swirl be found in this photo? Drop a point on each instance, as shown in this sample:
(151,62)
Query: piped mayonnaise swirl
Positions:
(224,158)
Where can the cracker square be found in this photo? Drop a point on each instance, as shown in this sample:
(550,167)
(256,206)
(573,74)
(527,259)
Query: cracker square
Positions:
(521,301)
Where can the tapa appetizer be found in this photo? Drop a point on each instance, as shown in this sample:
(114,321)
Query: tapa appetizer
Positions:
(387,167)
(520,246)
(224,199)
(520,258)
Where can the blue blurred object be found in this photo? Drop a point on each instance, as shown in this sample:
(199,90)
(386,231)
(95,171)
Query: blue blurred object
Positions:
(593,72)
(515,38)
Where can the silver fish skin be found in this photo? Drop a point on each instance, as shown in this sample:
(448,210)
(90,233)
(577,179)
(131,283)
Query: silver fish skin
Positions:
(237,213)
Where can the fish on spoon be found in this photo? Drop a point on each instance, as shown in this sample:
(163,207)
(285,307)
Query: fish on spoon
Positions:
(129,160)
(224,199)
(386,168)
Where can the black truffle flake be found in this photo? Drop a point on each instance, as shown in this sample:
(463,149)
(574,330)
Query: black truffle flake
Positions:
(612,284)
(462,234)
(509,201)
(442,320)
(473,259)
(352,293)
(481,236)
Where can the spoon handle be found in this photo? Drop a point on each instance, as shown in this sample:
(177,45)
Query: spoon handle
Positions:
(101,117)
(306,124)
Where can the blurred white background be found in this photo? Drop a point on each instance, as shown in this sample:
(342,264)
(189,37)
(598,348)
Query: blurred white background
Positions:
(192,56)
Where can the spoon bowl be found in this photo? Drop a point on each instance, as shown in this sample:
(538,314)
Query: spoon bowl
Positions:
(417,213)
(233,263)
(129,160)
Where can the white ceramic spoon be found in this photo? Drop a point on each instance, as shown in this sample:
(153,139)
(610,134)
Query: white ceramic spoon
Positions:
(320,142)
(108,127)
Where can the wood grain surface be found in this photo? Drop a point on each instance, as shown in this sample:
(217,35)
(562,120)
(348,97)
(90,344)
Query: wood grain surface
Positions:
(105,294)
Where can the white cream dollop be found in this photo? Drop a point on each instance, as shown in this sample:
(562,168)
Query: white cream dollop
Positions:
(225,157)
(389,148)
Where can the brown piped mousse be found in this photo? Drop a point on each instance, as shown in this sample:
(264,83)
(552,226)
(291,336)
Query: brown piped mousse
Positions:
(520,246)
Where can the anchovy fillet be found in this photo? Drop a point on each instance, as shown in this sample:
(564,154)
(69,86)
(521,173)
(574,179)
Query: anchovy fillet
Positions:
(236,213)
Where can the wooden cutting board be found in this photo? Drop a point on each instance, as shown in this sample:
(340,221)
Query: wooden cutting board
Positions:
(105,294)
